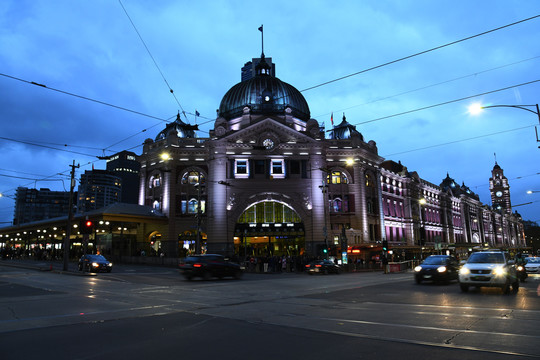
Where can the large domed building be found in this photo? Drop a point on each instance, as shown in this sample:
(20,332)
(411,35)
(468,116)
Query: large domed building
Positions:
(269,182)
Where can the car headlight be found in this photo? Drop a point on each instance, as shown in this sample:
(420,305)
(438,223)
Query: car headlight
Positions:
(441,269)
(499,271)
(109,264)
(418,268)
(95,264)
(464,271)
(520,268)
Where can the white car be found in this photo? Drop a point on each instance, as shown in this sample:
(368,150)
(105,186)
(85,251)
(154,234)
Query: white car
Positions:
(491,269)
(532,265)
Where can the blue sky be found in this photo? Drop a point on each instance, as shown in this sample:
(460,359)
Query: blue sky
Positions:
(90,48)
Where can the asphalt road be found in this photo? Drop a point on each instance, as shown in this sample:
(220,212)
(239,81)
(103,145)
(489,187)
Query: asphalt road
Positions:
(146,312)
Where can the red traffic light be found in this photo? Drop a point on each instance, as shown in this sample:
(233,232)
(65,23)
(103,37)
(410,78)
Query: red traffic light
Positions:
(87,226)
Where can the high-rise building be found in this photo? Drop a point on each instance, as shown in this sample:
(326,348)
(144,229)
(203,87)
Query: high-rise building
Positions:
(125,165)
(33,205)
(98,188)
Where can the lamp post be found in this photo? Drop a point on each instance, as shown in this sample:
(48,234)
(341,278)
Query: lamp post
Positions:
(324,189)
(421,202)
(477,108)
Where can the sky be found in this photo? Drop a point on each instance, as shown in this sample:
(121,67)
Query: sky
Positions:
(106,90)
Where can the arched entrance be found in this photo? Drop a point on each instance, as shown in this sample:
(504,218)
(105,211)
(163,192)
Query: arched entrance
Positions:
(269,228)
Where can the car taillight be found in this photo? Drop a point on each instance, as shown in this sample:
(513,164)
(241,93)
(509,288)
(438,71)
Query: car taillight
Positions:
(307,266)
(197,265)
(318,265)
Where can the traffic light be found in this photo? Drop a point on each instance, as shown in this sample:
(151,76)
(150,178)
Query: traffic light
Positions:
(385,245)
(87,226)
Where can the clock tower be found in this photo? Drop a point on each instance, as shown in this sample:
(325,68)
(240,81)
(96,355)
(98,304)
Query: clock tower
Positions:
(500,190)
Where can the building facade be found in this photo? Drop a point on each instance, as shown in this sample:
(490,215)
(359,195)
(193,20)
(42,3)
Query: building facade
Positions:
(34,205)
(125,165)
(97,189)
(268,181)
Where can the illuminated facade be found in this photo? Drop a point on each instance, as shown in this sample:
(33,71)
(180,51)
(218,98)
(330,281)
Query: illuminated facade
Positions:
(267,181)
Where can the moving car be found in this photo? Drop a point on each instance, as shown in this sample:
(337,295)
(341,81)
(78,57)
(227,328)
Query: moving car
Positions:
(489,268)
(532,265)
(94,263)
(437,268)
(208,266)
(323,267)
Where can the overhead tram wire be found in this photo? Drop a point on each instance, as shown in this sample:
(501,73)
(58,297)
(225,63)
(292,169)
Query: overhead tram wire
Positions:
(457,141)
(154,60)
(446,102)
(419,53)
(430,86)
(82,97)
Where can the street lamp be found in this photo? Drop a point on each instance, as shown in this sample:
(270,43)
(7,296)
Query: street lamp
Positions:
(533,191)
(421,202)
(477,108)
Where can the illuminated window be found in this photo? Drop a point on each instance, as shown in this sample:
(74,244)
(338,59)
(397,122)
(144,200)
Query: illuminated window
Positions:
(277,170)
(192,177)
(155,181)
(156,205)
(337,177)
(191,206)
(241,169)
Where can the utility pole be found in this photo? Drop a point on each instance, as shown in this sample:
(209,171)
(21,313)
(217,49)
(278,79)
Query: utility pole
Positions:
(67,241)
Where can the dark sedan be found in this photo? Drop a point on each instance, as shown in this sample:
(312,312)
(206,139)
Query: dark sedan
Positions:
(323,267)
(94,263)
(438,268)
(208,266)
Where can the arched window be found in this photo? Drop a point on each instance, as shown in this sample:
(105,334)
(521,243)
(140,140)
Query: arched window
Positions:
(337,205)
(155,181)
(156,205)
(191,206)
(369,181)
(269,212)
(337,177)
(192,178)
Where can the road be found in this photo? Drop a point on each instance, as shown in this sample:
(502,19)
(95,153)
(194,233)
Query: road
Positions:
(141,312)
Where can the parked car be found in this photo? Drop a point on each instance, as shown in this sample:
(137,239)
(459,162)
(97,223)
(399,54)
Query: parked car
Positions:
(532,265)
(208,266)
(94,263)
(489,268)
(437,268)
(323,267)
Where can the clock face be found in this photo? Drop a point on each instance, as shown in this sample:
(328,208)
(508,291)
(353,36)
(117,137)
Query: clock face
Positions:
(268,143)
(498,193)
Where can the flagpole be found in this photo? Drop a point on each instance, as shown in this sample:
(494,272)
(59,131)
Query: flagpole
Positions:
(262,38)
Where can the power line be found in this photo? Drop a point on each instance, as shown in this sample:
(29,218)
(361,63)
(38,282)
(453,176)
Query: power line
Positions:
(82,97)
(154,60)
(45,146)
(419,53)
(446,102)
(431,85)
(457,141)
